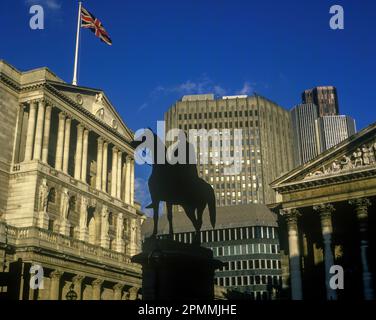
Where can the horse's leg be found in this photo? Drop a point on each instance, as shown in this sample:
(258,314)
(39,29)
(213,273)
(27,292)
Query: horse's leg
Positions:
(155,218)
(169,217)
(200,213)
(190,214)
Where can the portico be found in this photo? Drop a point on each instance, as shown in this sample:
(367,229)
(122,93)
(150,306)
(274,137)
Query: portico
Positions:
(327,207)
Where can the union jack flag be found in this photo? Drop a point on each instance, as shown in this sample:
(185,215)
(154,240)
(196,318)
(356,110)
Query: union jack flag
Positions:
(89,21)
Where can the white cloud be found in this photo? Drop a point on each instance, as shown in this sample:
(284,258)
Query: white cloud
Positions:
(142,192)
(143,106)
(201,85)
(219,90)
(247,88)
(49,4)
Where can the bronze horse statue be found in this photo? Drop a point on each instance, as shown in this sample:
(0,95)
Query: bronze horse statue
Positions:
(178,184)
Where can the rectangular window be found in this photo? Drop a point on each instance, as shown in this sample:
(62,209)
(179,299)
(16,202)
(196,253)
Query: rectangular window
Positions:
(238,234)
(257,264)
(263,266)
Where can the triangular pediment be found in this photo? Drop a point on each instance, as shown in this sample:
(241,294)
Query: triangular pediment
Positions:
(96,102)
(355,154)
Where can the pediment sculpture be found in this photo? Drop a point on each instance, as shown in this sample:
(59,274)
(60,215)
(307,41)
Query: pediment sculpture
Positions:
(98,106)
(363,156)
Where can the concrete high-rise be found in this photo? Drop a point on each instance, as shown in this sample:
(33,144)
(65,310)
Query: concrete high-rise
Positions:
(306,144)
(332,130)
(265,146)
(324,97)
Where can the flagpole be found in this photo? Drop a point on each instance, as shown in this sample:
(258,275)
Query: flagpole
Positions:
(74,82)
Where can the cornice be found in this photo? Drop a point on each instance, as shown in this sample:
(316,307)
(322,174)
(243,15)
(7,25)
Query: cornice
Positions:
(84,111)
(56,93)
(328,180)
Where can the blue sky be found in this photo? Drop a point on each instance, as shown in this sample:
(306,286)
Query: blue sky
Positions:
(165,49)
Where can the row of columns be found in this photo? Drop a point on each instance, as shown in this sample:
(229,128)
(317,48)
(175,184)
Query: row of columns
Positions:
(97,286)
(38,131)
(122,173)
(37,142)
(325,211)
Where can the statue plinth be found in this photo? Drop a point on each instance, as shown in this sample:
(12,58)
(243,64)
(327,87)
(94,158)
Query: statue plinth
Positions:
(105,241)
(65,227)
(43,219)
(84,234)
(176,271)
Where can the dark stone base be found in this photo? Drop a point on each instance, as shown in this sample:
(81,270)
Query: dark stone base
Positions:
(176,271)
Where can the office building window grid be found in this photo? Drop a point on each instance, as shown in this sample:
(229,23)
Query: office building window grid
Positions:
(265,146)
(250,255)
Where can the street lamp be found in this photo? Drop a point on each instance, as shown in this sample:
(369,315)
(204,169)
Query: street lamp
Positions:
(71,294)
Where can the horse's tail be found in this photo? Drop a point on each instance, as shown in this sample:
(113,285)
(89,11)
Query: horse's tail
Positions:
(211,205)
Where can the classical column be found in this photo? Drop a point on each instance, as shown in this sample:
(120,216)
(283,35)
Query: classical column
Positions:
(361,209)
(118,176)
(97,289)
(77,284)
(104,169)
(30,131)
(55,285)
(120,246)
(98,178)
(84,236)
(118,290)
(66,145)
(114,171)
(60,142)
(133,293)
(325,211)
(127,188)
(84,156)
(46,133)
(39,130)
(132,183)
(78,157)
(294,254)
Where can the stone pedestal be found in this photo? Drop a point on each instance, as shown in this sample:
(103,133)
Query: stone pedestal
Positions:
(105,242)
(120,245)
(176,271)
(84,234)
(43,219)
(64,227)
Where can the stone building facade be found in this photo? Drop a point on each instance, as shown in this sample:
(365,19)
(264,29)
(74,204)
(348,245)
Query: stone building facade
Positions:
(66,190)
(329,206)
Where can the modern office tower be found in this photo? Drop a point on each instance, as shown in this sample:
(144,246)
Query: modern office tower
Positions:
(265,147)
(306,144)
(325,98)
(245,239)
(331,130)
